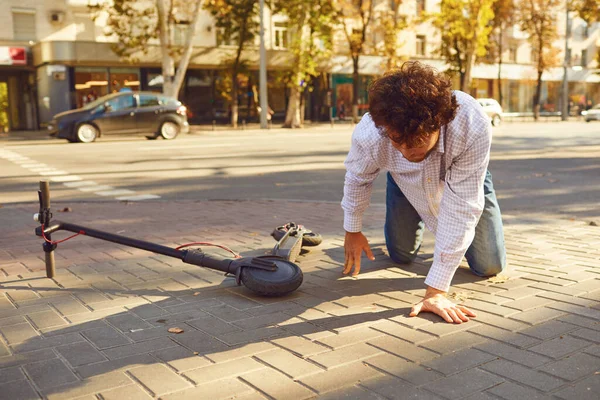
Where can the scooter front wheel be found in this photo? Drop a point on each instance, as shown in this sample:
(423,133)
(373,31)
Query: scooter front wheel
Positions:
(287,278)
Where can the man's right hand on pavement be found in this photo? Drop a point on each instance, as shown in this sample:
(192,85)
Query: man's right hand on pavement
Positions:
(354,244)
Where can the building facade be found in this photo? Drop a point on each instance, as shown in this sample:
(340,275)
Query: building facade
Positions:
(55,57)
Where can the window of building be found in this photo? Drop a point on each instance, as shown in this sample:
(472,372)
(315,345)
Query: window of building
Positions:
(122,79)
(92,83)
(584,58)
(512,54)
(24,24)
(420,7)
(180,33)
(421,45)
(280,36)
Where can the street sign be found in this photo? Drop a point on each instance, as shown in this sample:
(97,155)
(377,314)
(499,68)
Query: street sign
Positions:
(13,55)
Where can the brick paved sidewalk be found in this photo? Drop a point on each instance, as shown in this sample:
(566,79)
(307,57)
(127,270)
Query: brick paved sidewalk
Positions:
(99,329)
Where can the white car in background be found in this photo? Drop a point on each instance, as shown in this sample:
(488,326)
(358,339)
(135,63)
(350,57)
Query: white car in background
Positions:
(593,114)
(493,109)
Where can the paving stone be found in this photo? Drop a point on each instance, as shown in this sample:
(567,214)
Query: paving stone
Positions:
(88,386)
(538,315)
(213,325)
(181,359)
(512,391)
(81,353)
(228,313)
(18,333)
(548,330)
(288,363)
(459,361)
(512,353)
(120,364)
(392,388)
(20,390)
(586,389)
(560,347)
(241,352)
(138,348)
(130,392)
(529,303)
(348,338)
(351,393)
(455,342)
(345,355)
(223,389)
(300,346)
(199,342)
(406,370)
(339,377)
(41,342)
(515,339)
(581,321)
(26,358)
(276,385)
(464,383)
(254,335)
(19,319)
(410,335)
(594,350)
(69,306)
(578,310)
(520,293)
(501,322)
(487,307)
(573,367)
(50,373)
(587,334)
(523,375)
(564,298)
(227,369)
(11,374)
(126,322)
(261,321)
(403,349)
(159,379)
(105,337)
(73,328)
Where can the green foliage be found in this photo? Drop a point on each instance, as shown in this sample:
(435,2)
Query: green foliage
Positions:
(588,10)
(465,28)
(3,106)
(237,19)
(391,23)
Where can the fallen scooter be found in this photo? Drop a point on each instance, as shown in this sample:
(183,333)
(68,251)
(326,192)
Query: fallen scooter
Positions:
(271,275)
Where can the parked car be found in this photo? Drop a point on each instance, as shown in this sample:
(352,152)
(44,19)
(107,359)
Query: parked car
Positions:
(593,114)
(145,113)
(493,109)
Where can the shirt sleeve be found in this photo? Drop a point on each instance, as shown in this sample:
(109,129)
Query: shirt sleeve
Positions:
(461,207)
(361,171)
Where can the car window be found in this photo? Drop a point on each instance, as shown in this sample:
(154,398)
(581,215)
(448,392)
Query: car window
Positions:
(121,102)
(148,100)
(169,101)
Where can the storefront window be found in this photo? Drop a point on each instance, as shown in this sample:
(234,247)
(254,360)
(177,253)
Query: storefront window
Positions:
(90,83)
(122,79)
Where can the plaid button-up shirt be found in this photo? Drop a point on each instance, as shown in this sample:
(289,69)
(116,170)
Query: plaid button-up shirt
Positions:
(446,189)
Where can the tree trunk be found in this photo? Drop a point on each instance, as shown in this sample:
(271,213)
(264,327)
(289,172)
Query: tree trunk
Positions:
(302,106)
(500,99)
(168,64)
(469,62)
(292,116)
(536,97)
(355,82)
(234,98)
(187,53)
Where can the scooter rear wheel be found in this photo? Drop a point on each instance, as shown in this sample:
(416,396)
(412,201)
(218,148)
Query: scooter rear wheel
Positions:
(286,279)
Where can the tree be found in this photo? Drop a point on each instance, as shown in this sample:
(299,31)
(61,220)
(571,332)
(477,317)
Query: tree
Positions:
(465,28)
(391,23)
(355,17)
(588,10)
(310,23)
(537,18)
(136,24)
(237,22)
(504,18)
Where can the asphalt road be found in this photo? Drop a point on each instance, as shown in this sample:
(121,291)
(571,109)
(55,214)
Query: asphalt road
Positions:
(543,169)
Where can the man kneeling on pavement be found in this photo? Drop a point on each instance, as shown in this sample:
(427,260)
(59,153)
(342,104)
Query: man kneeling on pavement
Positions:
(435,144)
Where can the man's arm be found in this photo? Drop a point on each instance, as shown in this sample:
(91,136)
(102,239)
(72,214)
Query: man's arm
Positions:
(461,207)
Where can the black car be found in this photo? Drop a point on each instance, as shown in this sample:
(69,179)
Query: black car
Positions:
(146,113)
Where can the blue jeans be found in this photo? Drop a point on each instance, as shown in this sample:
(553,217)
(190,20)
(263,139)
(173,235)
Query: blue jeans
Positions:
(404,231)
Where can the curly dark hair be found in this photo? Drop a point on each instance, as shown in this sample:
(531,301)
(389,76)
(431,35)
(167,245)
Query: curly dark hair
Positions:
(410,103)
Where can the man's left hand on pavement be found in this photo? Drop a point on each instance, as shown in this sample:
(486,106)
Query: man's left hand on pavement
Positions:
(435,301)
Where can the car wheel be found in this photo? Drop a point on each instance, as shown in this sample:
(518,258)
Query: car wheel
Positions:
(496,120)
(86,133)
(169,130)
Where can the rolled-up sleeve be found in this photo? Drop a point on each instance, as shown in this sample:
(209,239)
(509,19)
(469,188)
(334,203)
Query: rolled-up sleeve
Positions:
(461,206)
(361,171)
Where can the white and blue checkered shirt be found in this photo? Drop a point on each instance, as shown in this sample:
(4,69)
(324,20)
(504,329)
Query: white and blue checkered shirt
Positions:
(446,189)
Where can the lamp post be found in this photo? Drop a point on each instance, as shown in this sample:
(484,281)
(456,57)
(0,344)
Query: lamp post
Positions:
(564,114)
(262,93)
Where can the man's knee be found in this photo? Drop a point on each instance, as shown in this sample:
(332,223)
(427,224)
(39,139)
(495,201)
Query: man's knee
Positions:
(490,267)
(401,257)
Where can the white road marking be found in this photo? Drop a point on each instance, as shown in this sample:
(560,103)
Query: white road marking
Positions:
(95,188)
(65,178)
(139,197)
(116,192)
(52,172)
(79,184)
(192,146)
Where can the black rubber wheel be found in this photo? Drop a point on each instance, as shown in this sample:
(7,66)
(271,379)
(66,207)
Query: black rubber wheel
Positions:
(309,239)
(286,279)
